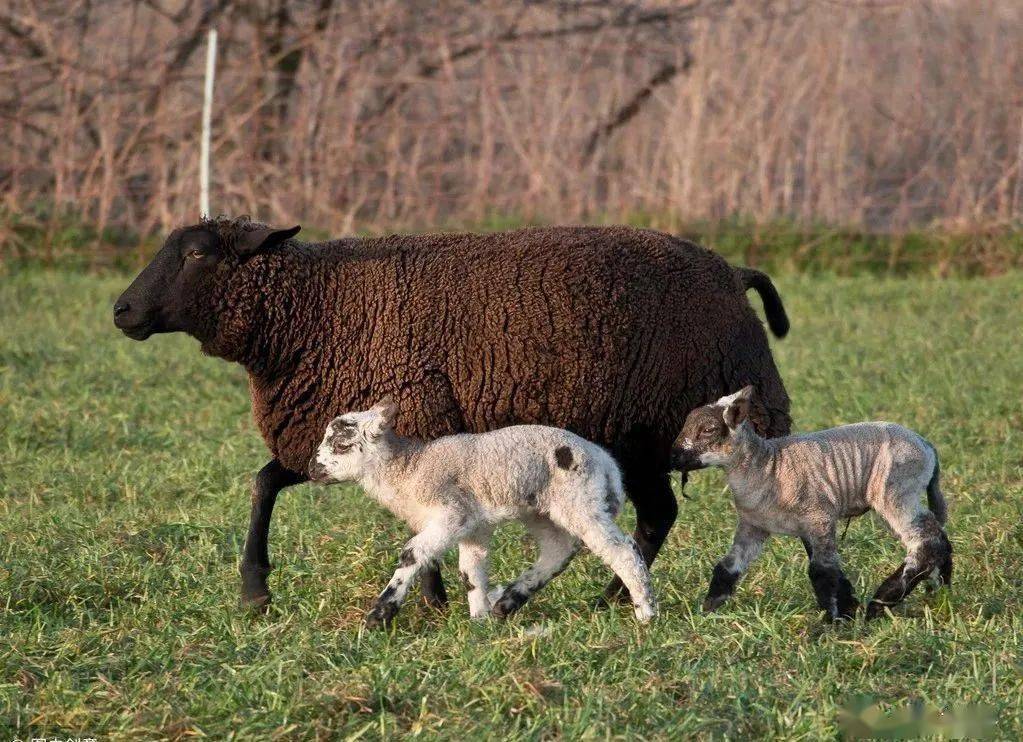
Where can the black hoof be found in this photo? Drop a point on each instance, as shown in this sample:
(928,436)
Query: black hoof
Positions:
(875,610)
(435,602)
(712,602)
(381,616)
(511,600)
(257,603)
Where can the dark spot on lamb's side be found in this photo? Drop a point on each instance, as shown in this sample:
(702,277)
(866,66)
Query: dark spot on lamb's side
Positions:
(531,499)
(563,456)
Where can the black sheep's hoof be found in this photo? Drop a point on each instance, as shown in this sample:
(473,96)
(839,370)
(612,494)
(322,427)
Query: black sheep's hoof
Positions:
(256,602)
(435,602)
(712,602)
(381,616)
(255,593)
(503,609)
(847,611)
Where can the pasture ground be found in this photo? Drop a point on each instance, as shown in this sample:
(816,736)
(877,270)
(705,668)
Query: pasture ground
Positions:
(124,481)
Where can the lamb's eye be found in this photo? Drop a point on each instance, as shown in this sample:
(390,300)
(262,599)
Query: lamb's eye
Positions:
(195,254)
(340,448)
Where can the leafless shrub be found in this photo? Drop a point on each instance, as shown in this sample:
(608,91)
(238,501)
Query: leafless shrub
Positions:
(389,114)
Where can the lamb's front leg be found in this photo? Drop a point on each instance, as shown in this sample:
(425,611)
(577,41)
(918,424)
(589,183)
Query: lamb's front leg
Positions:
(423,549)
(473,566)
(833,590)
(747,545)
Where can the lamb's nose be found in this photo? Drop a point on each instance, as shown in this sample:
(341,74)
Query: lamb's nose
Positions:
(317,471)
(121,307)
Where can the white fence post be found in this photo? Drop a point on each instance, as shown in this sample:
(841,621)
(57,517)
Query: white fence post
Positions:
(207,116)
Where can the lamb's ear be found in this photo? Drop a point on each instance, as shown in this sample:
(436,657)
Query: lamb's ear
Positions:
(388,411)
(264,240)
(737,409)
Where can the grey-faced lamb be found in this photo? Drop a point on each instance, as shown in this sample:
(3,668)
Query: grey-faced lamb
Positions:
(457,489)
(803,485)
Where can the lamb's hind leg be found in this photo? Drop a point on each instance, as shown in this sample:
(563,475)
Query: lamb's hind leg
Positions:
(928,549)
(557,547)
(598,530)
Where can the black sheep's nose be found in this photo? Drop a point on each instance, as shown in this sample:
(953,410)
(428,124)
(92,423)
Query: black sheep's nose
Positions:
(121,307)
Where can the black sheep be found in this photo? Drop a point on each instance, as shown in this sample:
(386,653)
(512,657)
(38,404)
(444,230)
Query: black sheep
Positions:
(614,333)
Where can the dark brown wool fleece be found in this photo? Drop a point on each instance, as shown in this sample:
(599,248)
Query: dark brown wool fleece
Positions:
(612,332)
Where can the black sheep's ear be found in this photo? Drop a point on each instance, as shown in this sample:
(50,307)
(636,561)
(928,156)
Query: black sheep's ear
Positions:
(264,240)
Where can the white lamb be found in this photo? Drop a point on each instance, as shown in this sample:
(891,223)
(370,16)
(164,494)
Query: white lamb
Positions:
(456,489)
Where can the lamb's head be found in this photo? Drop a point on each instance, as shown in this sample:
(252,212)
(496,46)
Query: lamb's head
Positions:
(183,288)
(353,443)
(708,435)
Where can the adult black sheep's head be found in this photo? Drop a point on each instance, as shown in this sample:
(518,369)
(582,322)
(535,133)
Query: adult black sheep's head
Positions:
(182,288)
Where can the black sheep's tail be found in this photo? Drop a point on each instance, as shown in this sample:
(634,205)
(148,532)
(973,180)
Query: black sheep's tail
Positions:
(777,319)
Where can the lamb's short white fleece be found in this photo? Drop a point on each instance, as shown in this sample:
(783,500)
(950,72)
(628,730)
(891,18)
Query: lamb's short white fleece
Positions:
(457,489)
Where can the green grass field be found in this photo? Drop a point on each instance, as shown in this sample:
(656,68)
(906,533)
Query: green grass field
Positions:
(124,474)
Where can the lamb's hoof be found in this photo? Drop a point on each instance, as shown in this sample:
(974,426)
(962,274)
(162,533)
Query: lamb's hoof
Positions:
(511,600)
(495,593)
(381,616)
(645,614)
(712,602)
(875,610)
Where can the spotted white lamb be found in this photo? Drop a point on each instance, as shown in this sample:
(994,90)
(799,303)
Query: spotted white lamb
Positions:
(456,489)
(803,485)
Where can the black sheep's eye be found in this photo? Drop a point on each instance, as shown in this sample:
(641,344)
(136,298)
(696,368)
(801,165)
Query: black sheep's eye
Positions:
(195,254)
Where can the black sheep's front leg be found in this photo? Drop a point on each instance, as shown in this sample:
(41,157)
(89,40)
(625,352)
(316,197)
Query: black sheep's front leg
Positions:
(255,565)
(422,551)
(432,585)
(747,545)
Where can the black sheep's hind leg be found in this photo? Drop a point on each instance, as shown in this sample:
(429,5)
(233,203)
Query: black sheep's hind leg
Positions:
(656,510)
(432,585)
(255,565)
